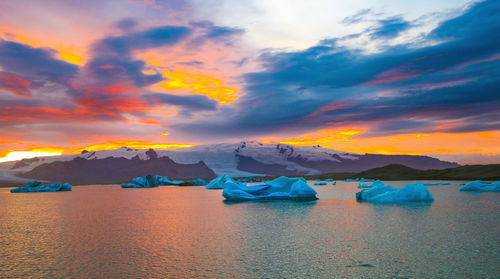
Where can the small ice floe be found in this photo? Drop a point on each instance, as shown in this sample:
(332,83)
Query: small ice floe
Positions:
(436,183)
(282,188)
(35,186)
(482,186)
(351,180)
(320,183)
(413,192)
(329,180)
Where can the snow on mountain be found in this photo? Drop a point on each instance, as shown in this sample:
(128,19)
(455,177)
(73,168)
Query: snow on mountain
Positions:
(246,158)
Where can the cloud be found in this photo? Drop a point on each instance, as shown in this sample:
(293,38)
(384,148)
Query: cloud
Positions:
(389,28)
(191,102)
(14,83)
(402,88)
(36,64)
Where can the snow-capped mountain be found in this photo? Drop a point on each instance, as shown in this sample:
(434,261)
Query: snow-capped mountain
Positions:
(247,158)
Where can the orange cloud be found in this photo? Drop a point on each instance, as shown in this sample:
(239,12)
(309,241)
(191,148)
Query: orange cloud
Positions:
(14,83)
(185,82)
(415,144)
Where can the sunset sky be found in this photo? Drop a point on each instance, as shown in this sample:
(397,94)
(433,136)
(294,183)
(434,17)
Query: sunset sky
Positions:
(386,76)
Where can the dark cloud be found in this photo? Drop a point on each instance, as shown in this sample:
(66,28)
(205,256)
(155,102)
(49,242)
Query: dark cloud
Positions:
(126,24)
(34,63)
(191,102)
(404,88)
(389,28)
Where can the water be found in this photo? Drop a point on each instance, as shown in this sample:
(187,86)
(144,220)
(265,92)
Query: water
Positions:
(184,232)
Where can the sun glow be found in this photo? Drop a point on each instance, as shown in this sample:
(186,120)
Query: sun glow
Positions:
(19,155)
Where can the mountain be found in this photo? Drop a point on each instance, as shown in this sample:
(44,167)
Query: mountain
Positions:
(247,158)
(400,172)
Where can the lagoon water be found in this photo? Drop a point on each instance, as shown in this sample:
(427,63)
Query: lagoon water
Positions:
(185,232)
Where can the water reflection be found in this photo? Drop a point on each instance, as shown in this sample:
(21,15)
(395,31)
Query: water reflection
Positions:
(107,232)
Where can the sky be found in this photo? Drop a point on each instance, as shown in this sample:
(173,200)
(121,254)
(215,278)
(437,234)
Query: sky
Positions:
(385,76)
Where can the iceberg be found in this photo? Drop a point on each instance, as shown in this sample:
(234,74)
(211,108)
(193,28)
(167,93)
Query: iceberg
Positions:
(164,181)
(351,180)
(142,182)
(482,186)
(375,183)
(329,180)
(282,188)
(219,182)
(334,183)
(33,186)
(436,183)
(320,183)
(413,192)
(366,180)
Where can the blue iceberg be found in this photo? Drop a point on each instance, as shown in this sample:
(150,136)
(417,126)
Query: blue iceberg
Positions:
(282,188)
(33,186)
(351,180)
(142,182)
(334,183)
(375,183)
(164,181)
(329,180)
(436,183)
(320,183)
(482,186)
(219,182)
(413,192)
(366,180)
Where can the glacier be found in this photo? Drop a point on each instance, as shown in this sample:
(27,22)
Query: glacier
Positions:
(482,186)
(282,188)
(34,186)
(219,182)
(413,192)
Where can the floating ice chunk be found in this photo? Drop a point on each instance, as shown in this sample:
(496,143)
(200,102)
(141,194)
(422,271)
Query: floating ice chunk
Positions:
(376,183)
(55,187)
(329,180)
(277,189)
(196,182)
(366,180)
(164,181)
(320,183)
(142,182)
(219,182)
(482,186)
(385,193)
(436,183)
(351,180)
(334,183)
